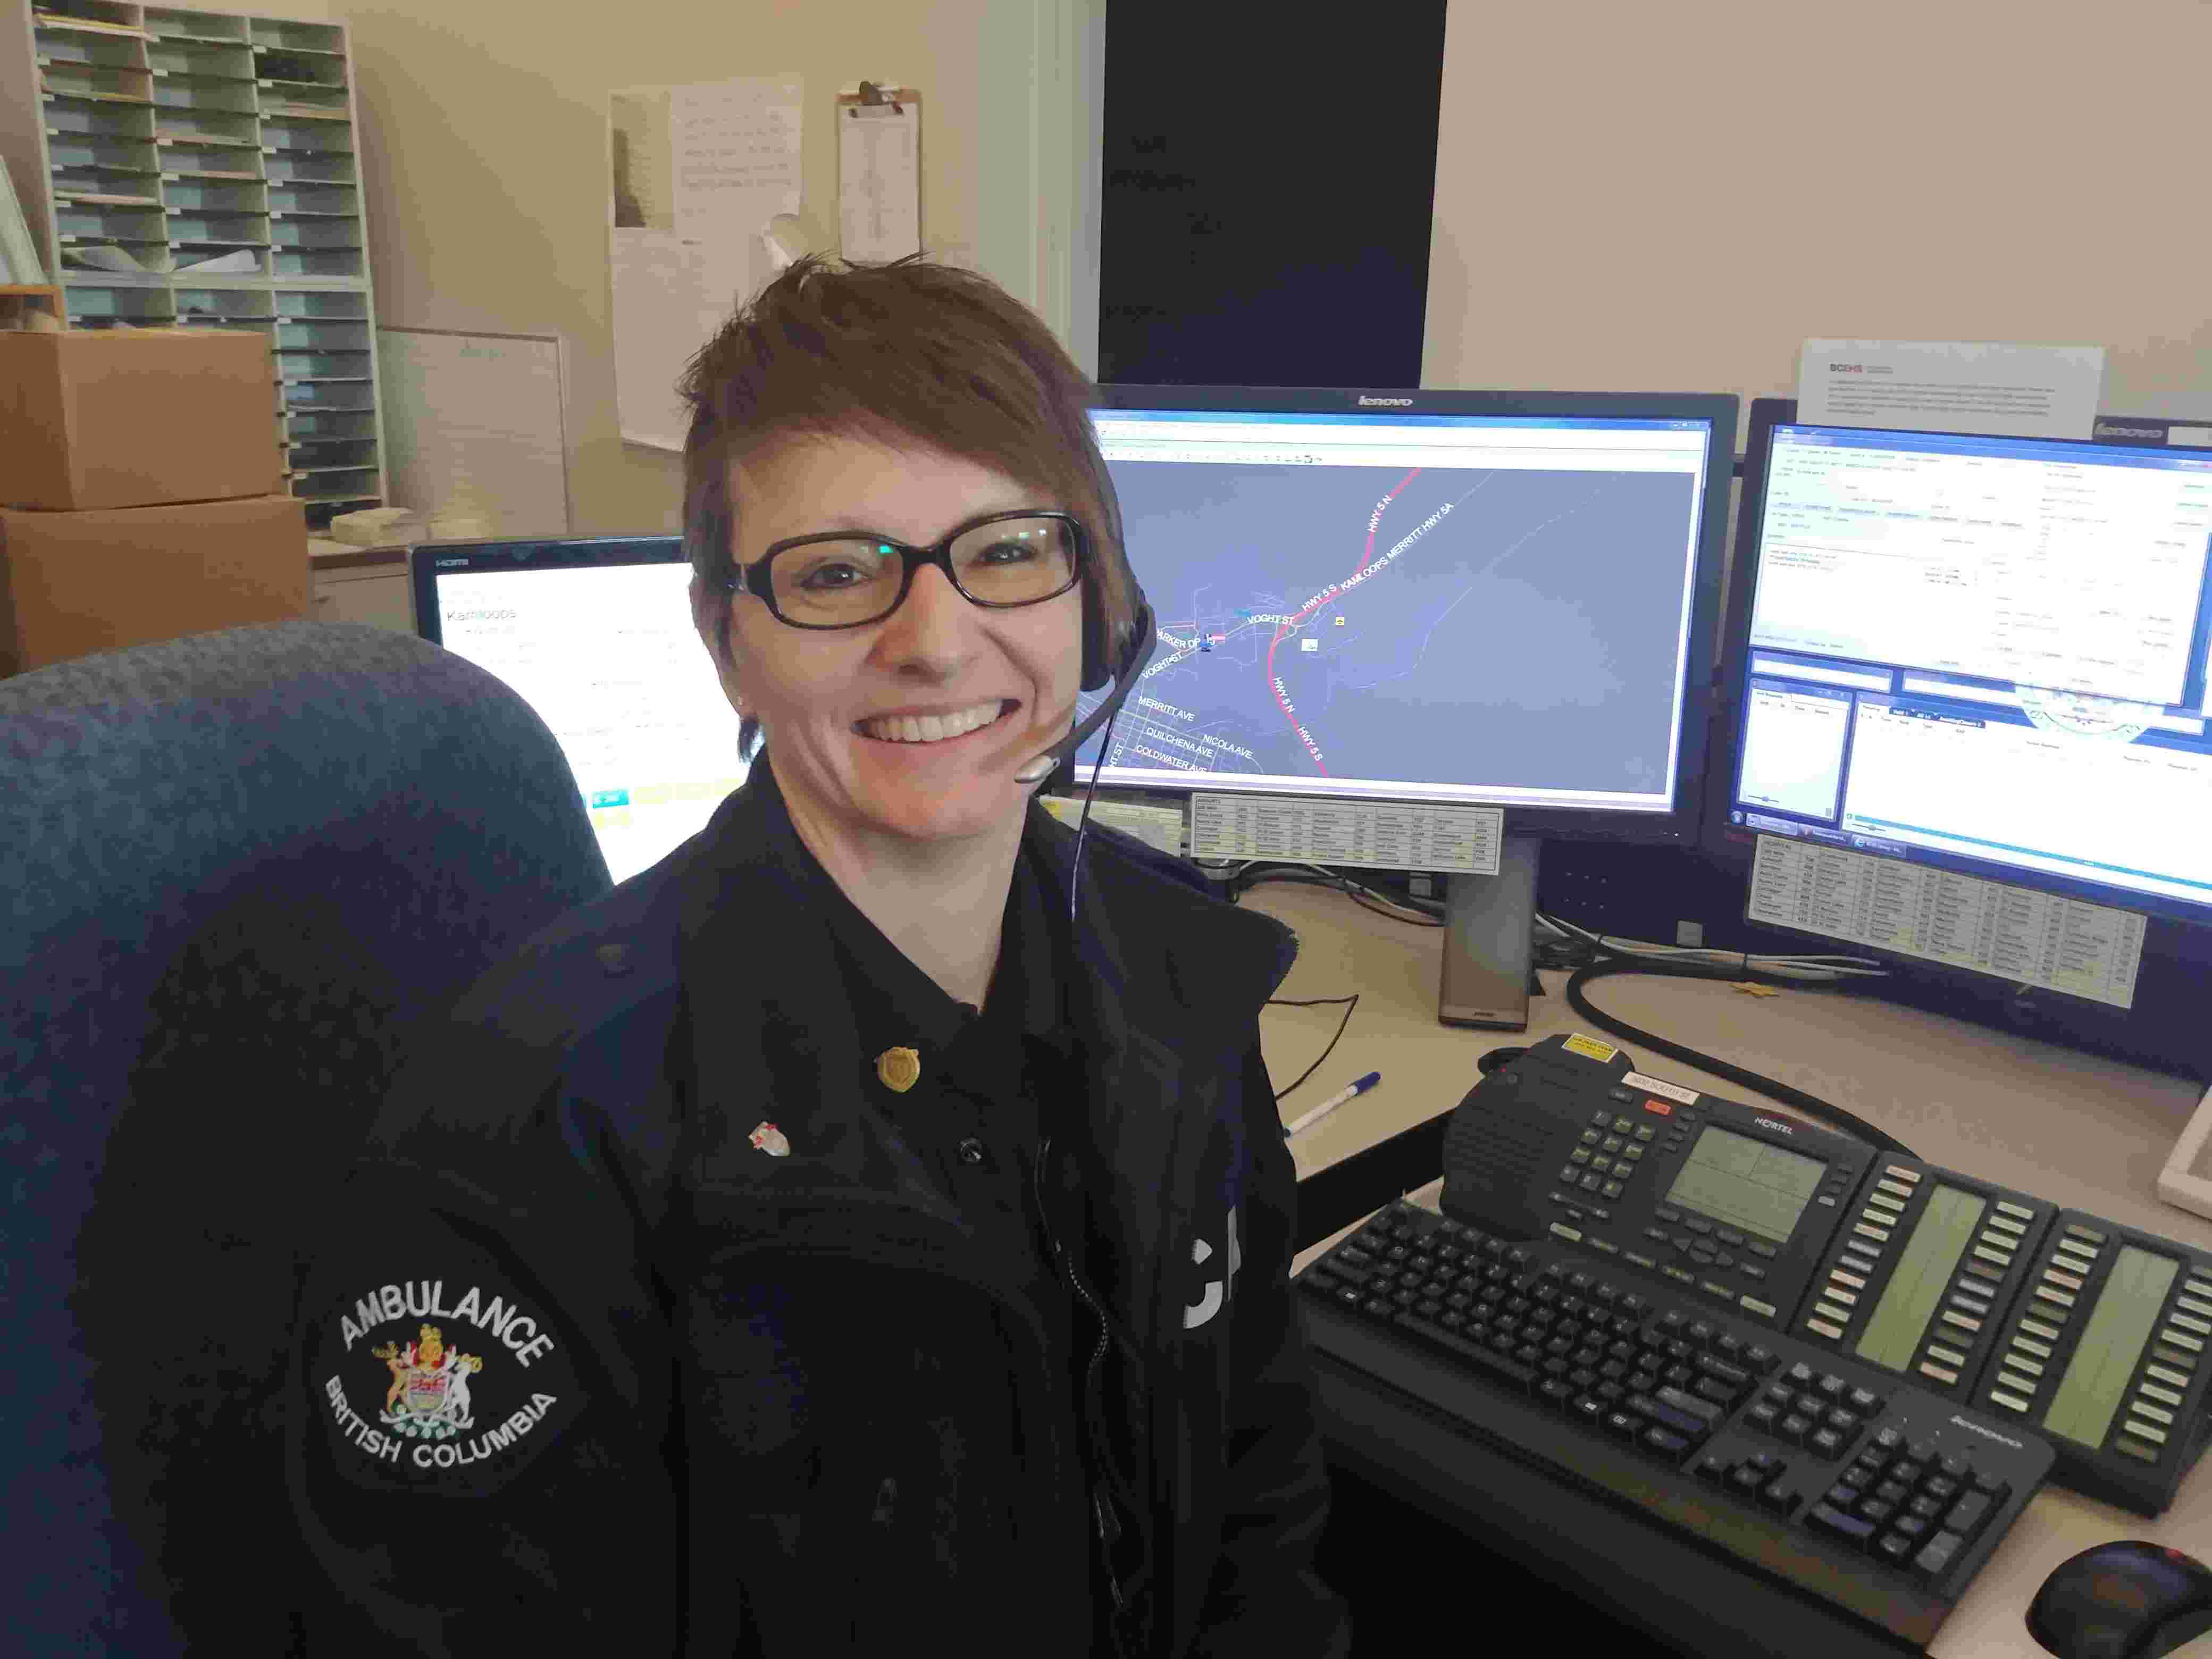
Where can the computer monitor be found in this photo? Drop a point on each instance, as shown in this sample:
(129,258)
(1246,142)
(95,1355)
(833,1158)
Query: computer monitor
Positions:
(595,634)
(1390,598)
(1971,657)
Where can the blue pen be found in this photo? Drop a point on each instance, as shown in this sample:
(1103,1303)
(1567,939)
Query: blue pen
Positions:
(1333,1103)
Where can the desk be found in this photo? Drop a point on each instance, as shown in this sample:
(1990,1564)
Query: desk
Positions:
(2082,1131)
(362,584)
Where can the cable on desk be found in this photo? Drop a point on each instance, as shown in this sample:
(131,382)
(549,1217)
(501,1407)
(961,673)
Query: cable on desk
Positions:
(1795,969)
(1240,882)
(1564,951)
(1834,1116)
(1593,956)
(1310,1002)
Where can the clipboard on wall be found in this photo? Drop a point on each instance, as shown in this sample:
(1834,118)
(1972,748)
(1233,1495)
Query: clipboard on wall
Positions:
(880,172)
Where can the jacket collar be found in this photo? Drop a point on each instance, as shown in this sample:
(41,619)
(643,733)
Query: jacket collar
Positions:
(1172,965)
(1164,976)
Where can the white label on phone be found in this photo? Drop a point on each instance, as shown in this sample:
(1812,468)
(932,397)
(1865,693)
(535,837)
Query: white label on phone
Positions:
(1653,1086)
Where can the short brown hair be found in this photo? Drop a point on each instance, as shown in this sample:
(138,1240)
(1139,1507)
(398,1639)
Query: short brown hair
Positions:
(908,354)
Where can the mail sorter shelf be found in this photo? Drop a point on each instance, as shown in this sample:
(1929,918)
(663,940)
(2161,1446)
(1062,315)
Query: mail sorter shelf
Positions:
(333,196)
(177,135)
(125,88)
(58,46)
(195,124)
(285,34)
(323,264)
(297,364)
(67,117)
(300,101)
(112,81)
(301,304)
(89,223)
(309,166)
(169,21)
(227,308)
(224,229)
(225,197)
(312,426)
(314,233)
(94,305)
(309,334)
(190,56)
(331,460)
(333,490)
(307,134)
(212,94)
(75,157)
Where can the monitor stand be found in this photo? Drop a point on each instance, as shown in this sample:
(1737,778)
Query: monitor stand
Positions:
(1490,924)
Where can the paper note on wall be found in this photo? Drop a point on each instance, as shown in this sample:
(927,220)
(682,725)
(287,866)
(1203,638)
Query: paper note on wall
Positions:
(696,174)
(879,180)
(1938,386)
(736,156)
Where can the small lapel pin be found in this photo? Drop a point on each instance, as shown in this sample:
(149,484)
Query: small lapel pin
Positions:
(899,1068)
(770,1140)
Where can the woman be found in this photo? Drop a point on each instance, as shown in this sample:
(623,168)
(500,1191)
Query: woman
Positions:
(862,1254)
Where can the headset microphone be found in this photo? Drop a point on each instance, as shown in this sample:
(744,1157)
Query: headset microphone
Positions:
(1132,664)
(1140,651)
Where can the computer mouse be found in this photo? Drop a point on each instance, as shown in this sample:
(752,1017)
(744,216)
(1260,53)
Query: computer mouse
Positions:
(2125,1600)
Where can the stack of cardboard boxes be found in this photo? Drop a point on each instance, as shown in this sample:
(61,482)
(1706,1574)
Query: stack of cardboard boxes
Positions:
(142,491)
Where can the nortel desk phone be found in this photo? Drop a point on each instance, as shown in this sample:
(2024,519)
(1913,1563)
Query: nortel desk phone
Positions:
(1848,1370)
(2094,1335)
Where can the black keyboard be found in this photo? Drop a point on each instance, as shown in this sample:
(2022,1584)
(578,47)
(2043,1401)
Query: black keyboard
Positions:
(1845,1480)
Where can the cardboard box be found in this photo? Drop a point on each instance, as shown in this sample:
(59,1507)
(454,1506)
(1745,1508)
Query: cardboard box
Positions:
(73,583)
(136,418)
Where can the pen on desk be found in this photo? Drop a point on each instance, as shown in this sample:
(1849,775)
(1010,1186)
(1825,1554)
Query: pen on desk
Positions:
(1334,1101)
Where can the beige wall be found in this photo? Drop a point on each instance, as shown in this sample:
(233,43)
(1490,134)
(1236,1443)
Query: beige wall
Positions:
(484,164)
(1633,198)
(1612,212)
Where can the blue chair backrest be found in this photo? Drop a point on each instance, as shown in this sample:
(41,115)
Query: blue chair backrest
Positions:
(239,872)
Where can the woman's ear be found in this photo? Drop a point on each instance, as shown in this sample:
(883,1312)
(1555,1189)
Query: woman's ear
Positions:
(726,668)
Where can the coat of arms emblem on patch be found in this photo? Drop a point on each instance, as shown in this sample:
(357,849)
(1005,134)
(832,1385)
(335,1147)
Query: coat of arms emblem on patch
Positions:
(455,1394)
(429,1398)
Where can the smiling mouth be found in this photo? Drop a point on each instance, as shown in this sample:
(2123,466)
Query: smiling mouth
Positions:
(916,733)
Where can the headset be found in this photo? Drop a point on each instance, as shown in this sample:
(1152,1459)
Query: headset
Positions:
(1097,671)
(1124,672)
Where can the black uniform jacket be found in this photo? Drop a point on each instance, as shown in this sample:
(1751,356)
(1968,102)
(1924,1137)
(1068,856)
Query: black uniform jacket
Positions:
(639,1329)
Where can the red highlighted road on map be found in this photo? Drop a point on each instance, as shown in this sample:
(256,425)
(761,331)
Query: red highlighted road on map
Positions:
(1283,629)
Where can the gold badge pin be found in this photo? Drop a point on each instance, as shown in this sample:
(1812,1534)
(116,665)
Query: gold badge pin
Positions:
(900,1068)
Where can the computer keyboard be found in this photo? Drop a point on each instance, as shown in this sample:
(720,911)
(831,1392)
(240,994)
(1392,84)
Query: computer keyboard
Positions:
(1845,1480)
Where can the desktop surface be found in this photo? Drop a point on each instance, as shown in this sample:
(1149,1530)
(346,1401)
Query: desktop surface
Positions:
(2082,1131)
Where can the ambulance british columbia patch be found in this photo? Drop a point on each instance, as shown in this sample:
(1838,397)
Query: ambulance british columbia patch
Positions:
(450,1385)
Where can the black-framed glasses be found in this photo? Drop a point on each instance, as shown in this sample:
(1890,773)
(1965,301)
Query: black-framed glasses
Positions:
(849,578)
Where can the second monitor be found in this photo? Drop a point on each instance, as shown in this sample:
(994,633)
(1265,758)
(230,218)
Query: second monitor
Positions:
(1386,597)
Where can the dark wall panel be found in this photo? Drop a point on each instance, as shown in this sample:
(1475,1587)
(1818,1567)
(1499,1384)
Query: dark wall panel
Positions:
(1267,195)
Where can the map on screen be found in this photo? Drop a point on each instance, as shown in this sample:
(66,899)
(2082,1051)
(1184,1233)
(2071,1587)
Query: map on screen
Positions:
(1500,626)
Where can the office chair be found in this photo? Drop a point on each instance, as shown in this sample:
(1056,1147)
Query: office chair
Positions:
(239,872)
